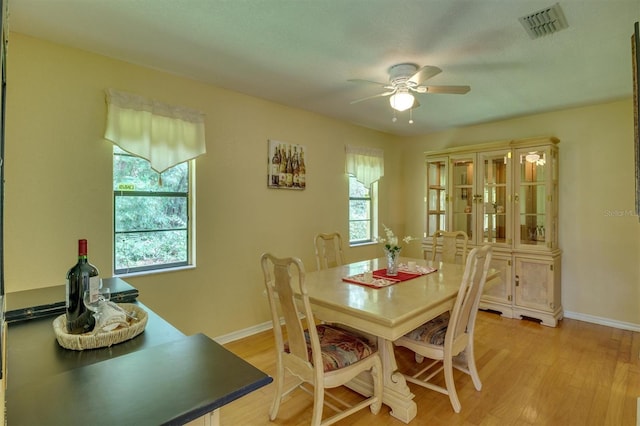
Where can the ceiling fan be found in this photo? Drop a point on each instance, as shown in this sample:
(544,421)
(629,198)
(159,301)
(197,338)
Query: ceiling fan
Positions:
(406,79)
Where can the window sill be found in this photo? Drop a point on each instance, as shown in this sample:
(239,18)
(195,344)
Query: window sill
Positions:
(364,243)
(156,271)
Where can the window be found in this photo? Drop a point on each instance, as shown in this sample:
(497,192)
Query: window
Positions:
(152,220)
(362,211)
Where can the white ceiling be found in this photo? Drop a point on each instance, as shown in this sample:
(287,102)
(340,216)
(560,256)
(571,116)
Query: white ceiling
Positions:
(302,52)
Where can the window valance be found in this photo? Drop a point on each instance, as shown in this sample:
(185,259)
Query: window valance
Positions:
(366,164)
(164,134)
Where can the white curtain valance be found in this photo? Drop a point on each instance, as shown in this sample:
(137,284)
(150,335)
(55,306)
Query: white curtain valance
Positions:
(366,164)
(164,134)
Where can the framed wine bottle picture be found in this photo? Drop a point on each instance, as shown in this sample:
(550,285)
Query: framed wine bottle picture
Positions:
(286,166)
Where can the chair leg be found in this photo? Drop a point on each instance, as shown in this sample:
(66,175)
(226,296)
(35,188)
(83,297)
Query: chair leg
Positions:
(277,397)
(376,374)
(471,364)
(318,398)
(451,386)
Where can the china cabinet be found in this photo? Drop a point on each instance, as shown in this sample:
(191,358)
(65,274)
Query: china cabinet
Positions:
(504,194)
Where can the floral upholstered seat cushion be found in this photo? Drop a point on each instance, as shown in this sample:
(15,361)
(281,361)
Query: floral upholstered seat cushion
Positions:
(432,332)
(339,347)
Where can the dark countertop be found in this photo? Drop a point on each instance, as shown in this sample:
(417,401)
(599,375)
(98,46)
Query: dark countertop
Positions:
(159,377)
(44,302)
(33,351)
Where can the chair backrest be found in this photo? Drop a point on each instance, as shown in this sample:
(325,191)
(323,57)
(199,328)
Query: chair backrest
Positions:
(465,308)
(284,280)
(328,249)
(448,241)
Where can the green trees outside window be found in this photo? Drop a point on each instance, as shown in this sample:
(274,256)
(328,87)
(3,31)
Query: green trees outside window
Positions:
(151,215)
(361,212)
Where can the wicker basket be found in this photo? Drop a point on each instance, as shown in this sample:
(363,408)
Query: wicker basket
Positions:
(78,342)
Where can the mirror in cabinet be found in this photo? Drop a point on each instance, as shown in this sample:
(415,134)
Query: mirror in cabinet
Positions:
(464,199)
(436,196)
(536,188)
(496,187)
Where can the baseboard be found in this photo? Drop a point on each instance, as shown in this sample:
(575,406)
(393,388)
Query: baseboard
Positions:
(602,321)
(241,334)
(259,328)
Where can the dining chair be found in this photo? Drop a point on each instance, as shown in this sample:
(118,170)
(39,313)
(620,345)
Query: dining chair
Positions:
(448,241)
(323,356)
(447,340)
(328,249)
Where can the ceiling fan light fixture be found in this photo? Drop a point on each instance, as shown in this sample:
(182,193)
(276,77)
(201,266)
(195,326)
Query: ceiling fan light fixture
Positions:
(401,101)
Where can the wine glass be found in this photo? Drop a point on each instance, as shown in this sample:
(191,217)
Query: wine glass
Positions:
(92,302)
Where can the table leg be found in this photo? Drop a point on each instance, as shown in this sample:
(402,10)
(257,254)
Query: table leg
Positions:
(395,394)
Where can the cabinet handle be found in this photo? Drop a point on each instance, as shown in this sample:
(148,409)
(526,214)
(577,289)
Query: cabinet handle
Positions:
(517,281)
(516,198)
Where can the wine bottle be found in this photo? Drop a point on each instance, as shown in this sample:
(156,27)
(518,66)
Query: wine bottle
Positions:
(275,167)
(282,181)
(289,168)
(302,175)
(80,278)
(296,168)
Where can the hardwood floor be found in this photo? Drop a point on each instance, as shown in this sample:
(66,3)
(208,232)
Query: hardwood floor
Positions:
(576,374)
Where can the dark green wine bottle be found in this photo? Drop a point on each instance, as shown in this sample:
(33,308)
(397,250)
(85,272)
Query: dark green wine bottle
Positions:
(82,277)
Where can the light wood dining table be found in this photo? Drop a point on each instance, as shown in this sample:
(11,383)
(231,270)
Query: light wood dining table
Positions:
(387,313)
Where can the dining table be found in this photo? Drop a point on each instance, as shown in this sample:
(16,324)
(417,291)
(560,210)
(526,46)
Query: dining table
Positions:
(385,313)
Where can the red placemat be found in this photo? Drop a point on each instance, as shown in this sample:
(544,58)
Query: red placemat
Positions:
(381,279)
(402,276)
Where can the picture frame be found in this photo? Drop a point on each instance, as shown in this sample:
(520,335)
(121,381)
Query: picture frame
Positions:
(286,166)
(635,59)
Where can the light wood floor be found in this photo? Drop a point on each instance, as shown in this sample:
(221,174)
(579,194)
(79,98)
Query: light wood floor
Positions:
(576,374)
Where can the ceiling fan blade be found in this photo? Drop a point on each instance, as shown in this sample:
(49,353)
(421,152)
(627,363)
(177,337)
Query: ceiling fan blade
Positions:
(424,74)
(358,81)
(374,96)
(454,90)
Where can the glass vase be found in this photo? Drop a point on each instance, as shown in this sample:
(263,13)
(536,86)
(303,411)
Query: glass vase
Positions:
(393,257)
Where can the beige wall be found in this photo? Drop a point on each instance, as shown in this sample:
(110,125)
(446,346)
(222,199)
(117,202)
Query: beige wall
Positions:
(58,184)
(598,230)
(58,188)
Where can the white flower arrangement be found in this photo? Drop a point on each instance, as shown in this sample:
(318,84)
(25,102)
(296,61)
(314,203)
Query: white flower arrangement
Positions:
(390,243)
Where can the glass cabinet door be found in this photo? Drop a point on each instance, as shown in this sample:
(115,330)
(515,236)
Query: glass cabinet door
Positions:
(533,195)
(463,198)
(495,206)
(436,195)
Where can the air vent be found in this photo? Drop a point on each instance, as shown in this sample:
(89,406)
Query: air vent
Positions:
(544,22)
